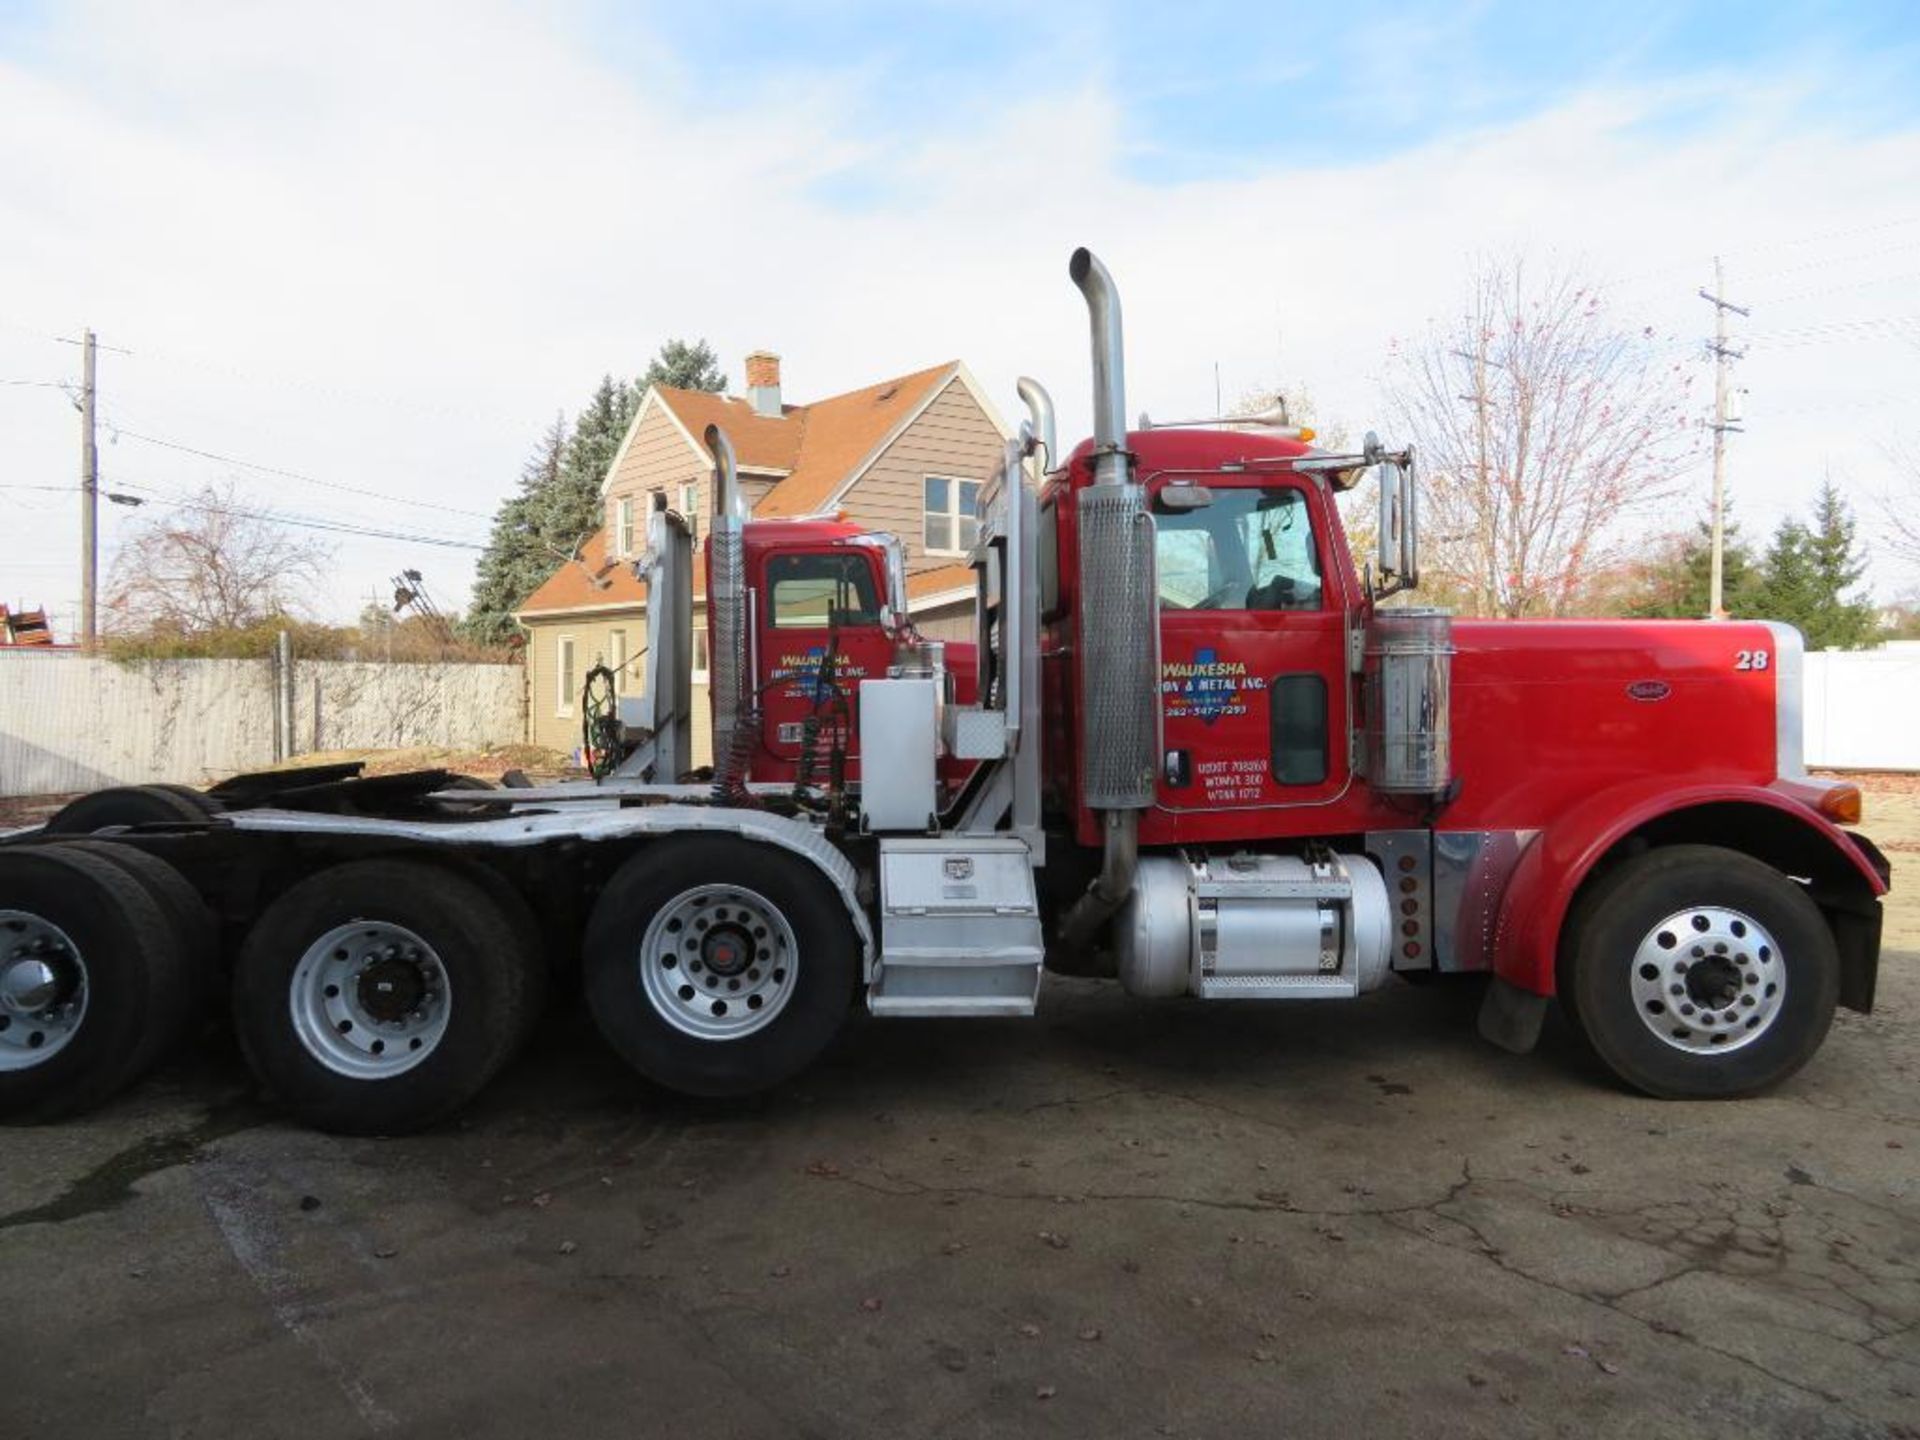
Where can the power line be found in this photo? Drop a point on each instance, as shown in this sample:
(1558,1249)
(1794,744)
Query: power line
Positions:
(1636,277)
(1723,423)
(292,474)
(303,522)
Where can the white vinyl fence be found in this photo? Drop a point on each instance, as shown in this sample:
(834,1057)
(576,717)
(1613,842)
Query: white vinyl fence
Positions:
(1863,708)
(76,722)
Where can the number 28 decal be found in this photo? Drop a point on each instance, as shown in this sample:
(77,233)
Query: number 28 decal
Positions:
(1749,659)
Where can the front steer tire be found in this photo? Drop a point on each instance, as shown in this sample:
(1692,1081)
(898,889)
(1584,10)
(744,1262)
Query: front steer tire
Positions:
(722,892)
(301,999)
(1639,1003)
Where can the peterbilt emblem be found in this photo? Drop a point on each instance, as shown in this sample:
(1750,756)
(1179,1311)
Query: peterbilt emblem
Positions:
(959,867)
(1649,690)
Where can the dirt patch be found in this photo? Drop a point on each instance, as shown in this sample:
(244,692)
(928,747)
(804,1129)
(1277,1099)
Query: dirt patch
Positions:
(536,760)
(1883,782)
(29,809)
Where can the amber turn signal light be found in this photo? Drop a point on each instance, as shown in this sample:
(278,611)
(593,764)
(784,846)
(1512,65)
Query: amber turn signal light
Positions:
(1841,804)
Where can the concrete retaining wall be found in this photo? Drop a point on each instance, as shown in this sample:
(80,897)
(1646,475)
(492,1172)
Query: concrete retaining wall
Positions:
(75,722)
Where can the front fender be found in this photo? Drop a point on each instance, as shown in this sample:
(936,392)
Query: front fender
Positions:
(1552,868)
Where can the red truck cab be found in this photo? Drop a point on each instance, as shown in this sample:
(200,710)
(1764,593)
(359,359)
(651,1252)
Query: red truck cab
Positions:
(828,610)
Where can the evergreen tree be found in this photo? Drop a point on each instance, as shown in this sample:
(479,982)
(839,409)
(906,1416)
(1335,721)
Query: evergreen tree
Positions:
(557,504)
(681,366)
(1678,583)
(1809,573)
(516,560)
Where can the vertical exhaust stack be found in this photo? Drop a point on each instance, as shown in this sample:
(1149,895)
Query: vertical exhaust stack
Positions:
(1040,418)
(726,599)
(1119,620)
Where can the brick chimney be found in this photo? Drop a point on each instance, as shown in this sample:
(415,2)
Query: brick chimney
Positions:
(763,383)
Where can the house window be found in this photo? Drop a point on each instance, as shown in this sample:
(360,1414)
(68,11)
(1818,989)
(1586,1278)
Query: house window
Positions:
(951,525)
(700,674)
(690,507)
(617,658)
(625,528)
(564,677)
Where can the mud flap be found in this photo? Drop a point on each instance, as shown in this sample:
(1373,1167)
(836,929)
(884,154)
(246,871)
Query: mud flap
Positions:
(1511,1017)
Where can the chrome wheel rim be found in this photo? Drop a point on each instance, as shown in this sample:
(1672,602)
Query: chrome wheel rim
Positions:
(43,990)
(370,1000)
(718,962)
(1708,980)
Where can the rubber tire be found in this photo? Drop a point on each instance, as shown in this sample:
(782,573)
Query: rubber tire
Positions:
(1610,922)
(134,964)
(492,979)
(527,934)
(827,946)
(190,999)
(131,805)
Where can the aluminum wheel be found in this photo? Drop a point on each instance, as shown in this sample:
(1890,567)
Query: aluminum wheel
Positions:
(1708,979)
(370,1000)
(43,990)
(718,962)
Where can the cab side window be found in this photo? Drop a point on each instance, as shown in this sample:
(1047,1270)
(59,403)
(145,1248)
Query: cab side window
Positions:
(1253,548)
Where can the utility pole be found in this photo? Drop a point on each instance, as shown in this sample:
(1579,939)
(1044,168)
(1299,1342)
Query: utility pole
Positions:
(89,498)
(1488,521)
(1722,423)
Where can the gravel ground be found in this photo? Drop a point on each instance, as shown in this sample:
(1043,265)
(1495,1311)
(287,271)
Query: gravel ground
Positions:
(1121,1219)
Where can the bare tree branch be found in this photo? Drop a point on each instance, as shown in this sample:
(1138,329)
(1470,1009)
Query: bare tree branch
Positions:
(1901,508)
(211,563)
(1541,426)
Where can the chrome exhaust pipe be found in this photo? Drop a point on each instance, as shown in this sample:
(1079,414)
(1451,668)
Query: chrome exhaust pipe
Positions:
(1119,639)
(732,687)
(1111,462)
(1040,419)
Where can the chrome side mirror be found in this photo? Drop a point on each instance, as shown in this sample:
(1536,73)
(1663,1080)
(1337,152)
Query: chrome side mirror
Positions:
(895,610)
(1397,556)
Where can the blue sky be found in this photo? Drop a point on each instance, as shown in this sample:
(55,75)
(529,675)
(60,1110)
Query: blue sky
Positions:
(382,245)
(1210,88)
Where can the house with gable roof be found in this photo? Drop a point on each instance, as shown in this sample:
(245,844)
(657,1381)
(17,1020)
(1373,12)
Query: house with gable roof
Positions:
(904,455)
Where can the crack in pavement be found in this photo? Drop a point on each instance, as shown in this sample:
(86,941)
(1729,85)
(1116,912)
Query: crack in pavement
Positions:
(1397,1216)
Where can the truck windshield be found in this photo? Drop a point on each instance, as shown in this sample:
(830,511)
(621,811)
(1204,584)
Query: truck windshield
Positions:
(1251,549)
(809,591)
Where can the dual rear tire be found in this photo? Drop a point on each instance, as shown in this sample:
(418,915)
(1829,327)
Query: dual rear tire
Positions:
(107,960)
(379,996)
(716,966)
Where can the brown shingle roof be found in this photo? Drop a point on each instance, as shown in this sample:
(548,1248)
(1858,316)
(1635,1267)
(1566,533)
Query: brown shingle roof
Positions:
(572,586)
(820,446)
(841,433)
(760,442)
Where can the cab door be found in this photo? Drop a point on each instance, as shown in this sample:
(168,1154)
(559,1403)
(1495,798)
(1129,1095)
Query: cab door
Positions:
(1254,694)
(814,602)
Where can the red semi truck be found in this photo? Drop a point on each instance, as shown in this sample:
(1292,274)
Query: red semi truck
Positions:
(1192,748)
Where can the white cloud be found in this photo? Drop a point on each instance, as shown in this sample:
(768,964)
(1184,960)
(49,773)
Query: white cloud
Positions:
(384,246)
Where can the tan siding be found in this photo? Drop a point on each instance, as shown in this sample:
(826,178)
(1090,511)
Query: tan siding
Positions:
(952,436)
(658,459)
(946,622)
(593,643)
